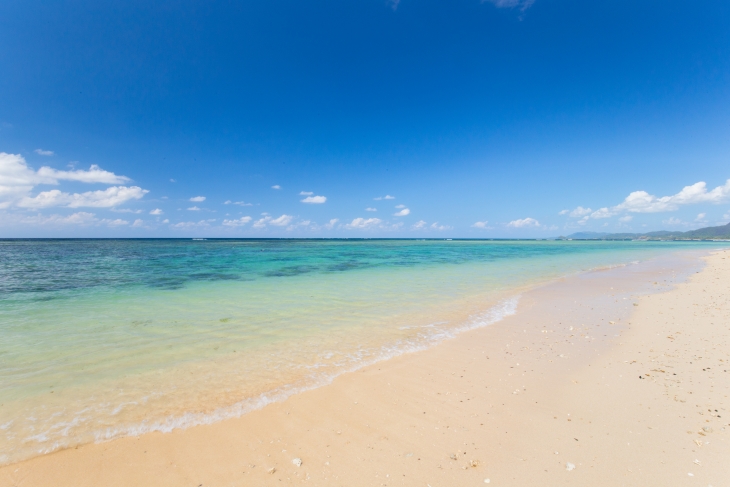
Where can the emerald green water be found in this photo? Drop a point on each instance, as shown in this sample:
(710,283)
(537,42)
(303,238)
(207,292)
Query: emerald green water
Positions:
(106,338)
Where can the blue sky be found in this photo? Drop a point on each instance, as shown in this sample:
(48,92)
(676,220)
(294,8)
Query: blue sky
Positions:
(460,118)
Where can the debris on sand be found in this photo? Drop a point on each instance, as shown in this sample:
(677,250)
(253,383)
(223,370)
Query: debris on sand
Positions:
(271,470)
(569,466)
(297,462)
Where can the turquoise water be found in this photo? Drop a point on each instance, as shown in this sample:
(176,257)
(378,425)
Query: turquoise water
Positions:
(106,338)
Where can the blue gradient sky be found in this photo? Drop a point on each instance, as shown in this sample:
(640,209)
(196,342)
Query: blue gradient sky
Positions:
(481,119)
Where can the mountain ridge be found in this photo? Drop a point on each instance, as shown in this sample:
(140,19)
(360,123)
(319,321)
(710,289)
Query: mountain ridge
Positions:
(721,232)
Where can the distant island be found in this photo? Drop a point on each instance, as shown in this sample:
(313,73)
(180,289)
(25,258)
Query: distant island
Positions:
(708,233)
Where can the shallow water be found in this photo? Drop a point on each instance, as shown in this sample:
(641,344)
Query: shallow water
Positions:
(105,338)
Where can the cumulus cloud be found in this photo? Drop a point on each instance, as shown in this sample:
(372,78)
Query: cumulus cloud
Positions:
(276,186)
(239,203)
(386,197)
(138,223)
(419,225)
(315,199)
(282,221)
(331,224)
(400,206)
(436,226)
(193,208)
(126,210)
(626,219)
(403,212)
(42,152)
(701,218)
(371,209)
(579,212)
(363,223)
(156,211)
(237,222)
(306,193)
(524,223)
(643,202)
(480,224)
(17,180)
(197,199)
(107,198)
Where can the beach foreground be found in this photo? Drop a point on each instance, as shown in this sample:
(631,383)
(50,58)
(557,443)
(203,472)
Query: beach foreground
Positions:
(608,378)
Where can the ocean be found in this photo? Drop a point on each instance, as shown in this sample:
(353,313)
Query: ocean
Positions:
(107,338)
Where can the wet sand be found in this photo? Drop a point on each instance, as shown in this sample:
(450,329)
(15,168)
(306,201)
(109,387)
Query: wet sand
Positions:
(601,379)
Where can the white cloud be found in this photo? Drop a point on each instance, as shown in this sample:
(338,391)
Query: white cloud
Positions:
(371,209)
(525,222)
(400,206)
(14,171)
(643,202)
(198,224)
(156,211)
(603,213)
(386,197)
(563,212)
(237,223)
(403,212)
(304,224)
(126,210)
(306,193)
(480,224)
(701,218)
(138,223)
(165,221)
(193,208)
(331,224)
(107,198)
(17,180)
(282,221)
(173,180)
(315,199)
(626,218)
(419,225)
(580,211)
(276,186)
(239,203)
(197,199)
(42,152)
(436,226)
(116,223)
(363,223)
(79,218)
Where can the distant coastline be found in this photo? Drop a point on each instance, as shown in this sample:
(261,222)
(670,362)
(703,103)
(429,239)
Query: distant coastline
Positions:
(719,233)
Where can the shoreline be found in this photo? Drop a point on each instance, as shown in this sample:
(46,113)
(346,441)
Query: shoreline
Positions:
(357,411)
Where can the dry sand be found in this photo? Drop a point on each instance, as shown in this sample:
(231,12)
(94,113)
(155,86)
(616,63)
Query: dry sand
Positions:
(528,401)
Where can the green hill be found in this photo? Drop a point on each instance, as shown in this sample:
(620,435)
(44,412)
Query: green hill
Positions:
(708,233)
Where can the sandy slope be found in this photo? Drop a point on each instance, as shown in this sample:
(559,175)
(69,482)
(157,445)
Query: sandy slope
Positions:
(640,401)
